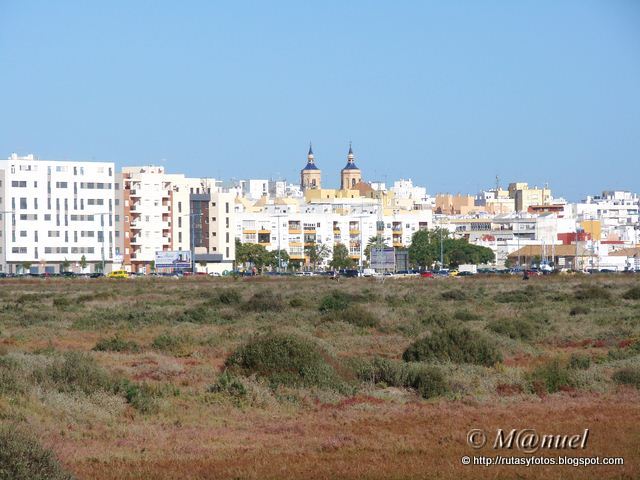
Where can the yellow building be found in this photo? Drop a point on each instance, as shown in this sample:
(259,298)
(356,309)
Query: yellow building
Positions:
(455,204)
(524,196)
(593,228)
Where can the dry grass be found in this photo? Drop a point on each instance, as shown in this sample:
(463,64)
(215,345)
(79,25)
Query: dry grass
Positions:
(286,432)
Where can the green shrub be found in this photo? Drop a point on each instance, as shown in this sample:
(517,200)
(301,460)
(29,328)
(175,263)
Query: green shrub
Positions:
(579,361)
(285,360)
(516,328)
(117,344)
(624,353)
(355,315)
(264,301)
(454,295)
(455,344)
(550,377)
(628,376)
(466,315)
(61,302)
(336,300)
(632,294)
(11,380)
(229,297)
(230,385)
(167,342)
(75,371)
(428,381)
(517,296)
(22,457)
(579,310)
(592,292)
(140,396)
(199,314)
(296,302)
(440,319)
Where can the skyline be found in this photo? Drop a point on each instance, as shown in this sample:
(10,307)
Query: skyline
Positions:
(491,89)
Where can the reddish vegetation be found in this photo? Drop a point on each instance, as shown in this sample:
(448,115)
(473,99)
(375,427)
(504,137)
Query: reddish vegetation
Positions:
(415,440)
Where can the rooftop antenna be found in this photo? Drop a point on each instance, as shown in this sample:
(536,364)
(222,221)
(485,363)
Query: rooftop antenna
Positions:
(497,183)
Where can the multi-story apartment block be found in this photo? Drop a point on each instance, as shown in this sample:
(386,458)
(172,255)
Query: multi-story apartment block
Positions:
(56,215)
(292,227)
(160,212)
(525,197)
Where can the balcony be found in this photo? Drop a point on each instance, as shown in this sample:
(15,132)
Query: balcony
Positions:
(136,207)
(135,225)
(134,192)
(136,240)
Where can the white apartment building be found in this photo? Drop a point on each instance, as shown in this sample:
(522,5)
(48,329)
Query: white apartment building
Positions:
(56,215)
(160,212)
(613,209)
(292,227)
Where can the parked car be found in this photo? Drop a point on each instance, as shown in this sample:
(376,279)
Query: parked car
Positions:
(466,273)
(426,274)
(118,274)
(349,273)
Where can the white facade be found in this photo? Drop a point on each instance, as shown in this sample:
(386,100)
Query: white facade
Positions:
(157,212)
(292,227)
(54,214)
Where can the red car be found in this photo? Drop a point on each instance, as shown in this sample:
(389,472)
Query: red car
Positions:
(426,274)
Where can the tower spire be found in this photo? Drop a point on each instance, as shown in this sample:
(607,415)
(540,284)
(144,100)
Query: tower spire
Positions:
(310,149)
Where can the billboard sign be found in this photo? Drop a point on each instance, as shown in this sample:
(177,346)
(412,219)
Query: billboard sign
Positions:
(173,259)
(383,259)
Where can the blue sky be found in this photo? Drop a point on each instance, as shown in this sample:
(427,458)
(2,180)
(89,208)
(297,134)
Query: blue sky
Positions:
(450,94)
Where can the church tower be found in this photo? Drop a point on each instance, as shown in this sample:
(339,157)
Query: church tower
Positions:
(350,175)
(310,175)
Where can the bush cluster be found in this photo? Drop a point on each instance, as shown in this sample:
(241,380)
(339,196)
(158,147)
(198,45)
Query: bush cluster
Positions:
(516,328)
(550,377)
(263,301)
(466,316)
(579,361)
(229,297)
(517,296)
(229,385)
(628,376)
(454,344)
(454,295)
(117,344)
(285,360)
(427,380)
(632,294)
(355,315)
(592,292)
(579,310)
(22,457)
(336,300)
